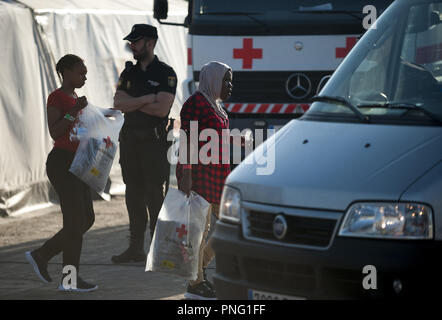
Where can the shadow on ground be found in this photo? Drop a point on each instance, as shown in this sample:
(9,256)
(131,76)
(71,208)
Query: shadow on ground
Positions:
(18,280)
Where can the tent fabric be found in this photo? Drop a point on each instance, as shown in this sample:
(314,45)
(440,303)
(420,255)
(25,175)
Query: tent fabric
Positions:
(25,139)
(175,6)
(32,41)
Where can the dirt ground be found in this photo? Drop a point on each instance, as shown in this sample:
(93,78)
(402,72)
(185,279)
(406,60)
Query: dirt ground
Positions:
(107,237)
(45,223)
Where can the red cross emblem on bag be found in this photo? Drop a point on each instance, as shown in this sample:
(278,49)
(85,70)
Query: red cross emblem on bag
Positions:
(181,231)
(108,141)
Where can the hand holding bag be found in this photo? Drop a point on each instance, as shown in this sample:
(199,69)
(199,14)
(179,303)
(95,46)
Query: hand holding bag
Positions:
(178,234)
(97,130)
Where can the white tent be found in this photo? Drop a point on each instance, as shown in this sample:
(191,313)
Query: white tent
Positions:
(34,35)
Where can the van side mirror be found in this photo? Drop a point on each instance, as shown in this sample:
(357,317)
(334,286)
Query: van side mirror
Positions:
(160,9)
(434,18)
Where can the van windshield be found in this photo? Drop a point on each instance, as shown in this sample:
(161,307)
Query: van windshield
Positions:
(395,71)
(262,6)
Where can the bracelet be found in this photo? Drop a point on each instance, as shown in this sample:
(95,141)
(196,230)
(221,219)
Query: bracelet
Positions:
(69,117)
(187,166)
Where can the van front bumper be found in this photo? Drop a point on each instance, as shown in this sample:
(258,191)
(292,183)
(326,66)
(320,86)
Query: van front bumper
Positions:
(335,273)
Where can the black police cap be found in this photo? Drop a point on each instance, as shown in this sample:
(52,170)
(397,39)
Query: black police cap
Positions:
(142,30)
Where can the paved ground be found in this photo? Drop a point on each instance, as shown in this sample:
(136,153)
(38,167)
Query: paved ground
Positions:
(108,236)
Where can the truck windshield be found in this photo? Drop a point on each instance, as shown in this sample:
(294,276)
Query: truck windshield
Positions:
(395,71)
(202,7)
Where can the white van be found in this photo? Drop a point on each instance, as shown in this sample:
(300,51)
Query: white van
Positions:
(353,208)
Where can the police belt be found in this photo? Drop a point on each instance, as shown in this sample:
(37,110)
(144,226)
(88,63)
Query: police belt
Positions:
(145,135)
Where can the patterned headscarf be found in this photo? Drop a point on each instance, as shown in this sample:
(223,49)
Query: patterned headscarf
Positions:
(210,84)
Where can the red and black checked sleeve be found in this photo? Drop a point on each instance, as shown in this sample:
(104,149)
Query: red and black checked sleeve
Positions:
(191,111)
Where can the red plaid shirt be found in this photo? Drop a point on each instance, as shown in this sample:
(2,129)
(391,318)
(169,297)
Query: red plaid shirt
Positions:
(207,180)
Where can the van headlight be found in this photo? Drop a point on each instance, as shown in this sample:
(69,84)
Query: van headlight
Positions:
(230,207)
(388,221)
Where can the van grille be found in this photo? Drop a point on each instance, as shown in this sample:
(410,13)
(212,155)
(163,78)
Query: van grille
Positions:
(304,231)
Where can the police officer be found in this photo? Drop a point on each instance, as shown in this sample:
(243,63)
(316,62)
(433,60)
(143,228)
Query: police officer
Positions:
(145,94)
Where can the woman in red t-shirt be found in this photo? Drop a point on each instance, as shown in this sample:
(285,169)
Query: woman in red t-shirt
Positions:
(63,107)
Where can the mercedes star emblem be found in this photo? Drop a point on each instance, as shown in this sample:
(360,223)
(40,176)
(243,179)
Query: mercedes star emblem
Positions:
(298,86)
(299,45)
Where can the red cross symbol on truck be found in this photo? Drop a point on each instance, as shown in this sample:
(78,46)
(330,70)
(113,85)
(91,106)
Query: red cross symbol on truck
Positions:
(350,43)
(247,53)
(181,231)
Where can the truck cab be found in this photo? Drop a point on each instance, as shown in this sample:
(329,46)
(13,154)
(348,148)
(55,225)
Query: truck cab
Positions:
(353,207)
(282,52)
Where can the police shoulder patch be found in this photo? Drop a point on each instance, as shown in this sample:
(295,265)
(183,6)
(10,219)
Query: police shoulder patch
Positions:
(172,81)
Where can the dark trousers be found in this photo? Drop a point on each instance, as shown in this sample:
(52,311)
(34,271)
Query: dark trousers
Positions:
(144,169)
(76,206)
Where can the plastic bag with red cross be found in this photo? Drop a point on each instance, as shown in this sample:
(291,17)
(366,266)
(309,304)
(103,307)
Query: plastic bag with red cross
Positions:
(97,131)
(178,234)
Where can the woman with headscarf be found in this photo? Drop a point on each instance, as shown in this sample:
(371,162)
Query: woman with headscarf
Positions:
(207,180)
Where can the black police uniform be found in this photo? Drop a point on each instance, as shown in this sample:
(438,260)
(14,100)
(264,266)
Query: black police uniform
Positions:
(143,147)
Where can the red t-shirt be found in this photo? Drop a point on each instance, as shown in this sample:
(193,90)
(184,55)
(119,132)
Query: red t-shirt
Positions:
(64,103)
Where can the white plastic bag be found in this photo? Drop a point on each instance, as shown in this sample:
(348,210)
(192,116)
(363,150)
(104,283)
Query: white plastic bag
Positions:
(98,136)
(178,234)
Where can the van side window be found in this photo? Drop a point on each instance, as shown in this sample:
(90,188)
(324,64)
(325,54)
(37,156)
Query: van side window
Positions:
(420,70)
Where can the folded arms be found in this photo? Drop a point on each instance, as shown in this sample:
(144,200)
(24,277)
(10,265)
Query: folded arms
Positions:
(152,104)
